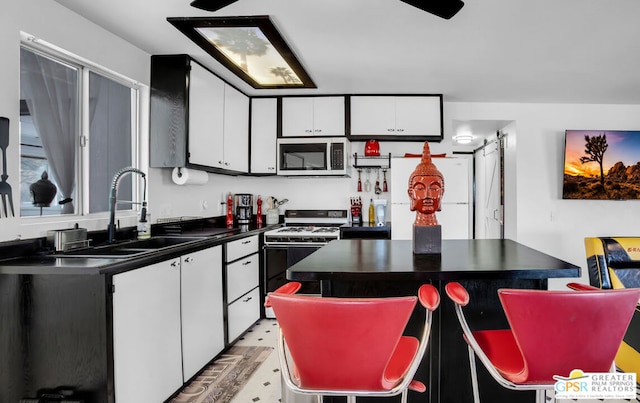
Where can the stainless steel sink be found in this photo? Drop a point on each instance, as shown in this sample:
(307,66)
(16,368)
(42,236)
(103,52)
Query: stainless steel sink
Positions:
(157,242)
(129,249)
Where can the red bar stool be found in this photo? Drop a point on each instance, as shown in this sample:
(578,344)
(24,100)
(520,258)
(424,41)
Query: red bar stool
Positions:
(350,346)
(551,333)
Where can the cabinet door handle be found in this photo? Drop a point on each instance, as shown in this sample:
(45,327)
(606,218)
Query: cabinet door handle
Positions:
(245,242)
(226,164)
(219,162)
(175,263)
(188,259)
(247,300)
(246,263)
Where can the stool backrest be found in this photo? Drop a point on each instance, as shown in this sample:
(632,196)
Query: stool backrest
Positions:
(341,343)
(558,331)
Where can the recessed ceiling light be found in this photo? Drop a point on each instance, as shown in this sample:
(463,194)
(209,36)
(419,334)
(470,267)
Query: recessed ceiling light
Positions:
(465,138)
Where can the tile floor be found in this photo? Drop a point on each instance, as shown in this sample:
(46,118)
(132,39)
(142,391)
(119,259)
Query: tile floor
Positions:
(264,385)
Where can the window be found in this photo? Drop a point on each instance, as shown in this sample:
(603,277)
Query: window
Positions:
(78,127)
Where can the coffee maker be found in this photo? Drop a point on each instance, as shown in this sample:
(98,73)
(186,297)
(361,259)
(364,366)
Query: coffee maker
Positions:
(244,208)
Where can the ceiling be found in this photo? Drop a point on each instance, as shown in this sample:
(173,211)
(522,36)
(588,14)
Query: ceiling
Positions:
(540,51)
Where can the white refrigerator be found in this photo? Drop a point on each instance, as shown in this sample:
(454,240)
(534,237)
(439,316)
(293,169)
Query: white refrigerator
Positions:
(455,215)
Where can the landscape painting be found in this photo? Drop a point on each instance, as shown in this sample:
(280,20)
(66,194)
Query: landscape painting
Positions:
(601,165)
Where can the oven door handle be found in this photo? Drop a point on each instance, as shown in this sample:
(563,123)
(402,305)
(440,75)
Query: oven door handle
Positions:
(294,245)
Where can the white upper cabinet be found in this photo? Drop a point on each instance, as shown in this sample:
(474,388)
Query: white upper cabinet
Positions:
(410,116)
(218,123)
(236,130)
(197,119)
(206,118)
(264,131)
(313,116)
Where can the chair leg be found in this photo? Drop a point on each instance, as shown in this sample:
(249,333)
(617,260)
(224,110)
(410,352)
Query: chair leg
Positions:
(542,396)
(319,398)
(474,375)
(351,399)
(403,396)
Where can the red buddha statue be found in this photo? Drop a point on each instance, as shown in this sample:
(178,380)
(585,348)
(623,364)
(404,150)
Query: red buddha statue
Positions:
(426,187)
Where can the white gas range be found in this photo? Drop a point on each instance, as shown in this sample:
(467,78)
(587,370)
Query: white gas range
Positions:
(308,227)
(305,231)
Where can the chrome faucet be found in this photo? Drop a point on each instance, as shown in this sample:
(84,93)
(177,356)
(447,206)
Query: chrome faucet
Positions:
(111,229)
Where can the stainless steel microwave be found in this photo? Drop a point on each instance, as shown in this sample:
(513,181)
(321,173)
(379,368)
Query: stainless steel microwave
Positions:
(313,156)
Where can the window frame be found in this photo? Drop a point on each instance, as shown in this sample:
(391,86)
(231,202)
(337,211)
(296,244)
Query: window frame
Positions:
(82,163)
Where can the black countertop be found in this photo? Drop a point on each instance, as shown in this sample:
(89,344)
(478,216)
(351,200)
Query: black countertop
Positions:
(460,259)
(47,263)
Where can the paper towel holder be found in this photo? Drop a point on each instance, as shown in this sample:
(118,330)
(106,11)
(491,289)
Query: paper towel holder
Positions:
(186,176)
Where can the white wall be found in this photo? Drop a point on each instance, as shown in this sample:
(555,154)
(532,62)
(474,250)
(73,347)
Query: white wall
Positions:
(170,201)
(53,23)
(542,219)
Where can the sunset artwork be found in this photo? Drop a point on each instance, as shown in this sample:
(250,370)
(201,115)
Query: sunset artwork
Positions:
(601,164)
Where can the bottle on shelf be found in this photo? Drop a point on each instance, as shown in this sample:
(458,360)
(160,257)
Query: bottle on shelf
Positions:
(372,213)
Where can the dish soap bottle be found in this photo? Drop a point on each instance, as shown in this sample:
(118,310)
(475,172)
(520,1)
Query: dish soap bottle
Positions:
(144,223)
(372,214)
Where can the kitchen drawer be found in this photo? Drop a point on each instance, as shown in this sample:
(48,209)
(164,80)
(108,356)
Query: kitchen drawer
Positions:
(243,313)
(242,247)
(242,276)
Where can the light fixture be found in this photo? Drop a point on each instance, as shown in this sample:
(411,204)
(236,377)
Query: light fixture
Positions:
(463,138)
(211,5)
(251,47)
(441,8)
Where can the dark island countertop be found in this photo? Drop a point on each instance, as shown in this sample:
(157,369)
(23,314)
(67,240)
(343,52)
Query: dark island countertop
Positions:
(367,259)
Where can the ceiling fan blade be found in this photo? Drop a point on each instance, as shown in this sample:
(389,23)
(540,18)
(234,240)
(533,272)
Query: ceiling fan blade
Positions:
(211,5)
(442,8)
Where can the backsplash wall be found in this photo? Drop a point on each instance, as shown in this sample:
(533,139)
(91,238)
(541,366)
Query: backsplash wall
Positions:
(168,200)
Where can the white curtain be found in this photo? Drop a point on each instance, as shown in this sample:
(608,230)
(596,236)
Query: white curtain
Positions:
(50,90)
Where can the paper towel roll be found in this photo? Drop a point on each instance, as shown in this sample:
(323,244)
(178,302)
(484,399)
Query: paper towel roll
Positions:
(184,176)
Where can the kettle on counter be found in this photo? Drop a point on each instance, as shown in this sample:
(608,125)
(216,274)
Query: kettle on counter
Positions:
(372,148)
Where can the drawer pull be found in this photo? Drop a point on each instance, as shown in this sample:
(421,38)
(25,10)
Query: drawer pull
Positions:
(246,263)
(246,242)
(247,300)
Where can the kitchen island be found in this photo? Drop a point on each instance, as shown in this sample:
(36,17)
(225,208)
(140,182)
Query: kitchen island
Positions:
(365,268)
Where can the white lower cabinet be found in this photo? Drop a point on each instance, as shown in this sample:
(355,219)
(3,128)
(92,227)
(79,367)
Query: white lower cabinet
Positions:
(201,309)
(242,285)
(243,313)
(146,333)
(168,323)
